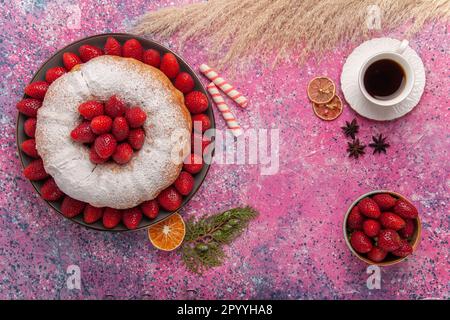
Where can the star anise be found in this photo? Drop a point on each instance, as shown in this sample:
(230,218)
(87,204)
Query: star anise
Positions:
(351,128)
(379,144)
(355,148)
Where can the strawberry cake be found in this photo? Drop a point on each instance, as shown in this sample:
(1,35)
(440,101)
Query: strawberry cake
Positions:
(127,181)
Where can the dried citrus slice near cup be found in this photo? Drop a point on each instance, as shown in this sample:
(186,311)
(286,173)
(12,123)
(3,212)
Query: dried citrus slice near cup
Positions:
(321,90)
(168,234)
(330,110)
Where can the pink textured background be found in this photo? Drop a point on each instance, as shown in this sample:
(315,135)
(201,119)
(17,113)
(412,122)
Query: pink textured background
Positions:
(295,249)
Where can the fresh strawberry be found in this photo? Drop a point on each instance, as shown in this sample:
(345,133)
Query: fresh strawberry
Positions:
(377,254)
(405,210)
(404,250)
(169,199)
(70,60)
(201,122)
(29,127)
(384,200)
(371,227)
(71,207)
(105,145)
(152,57)
(169,65)
(392,221)
(120,128)
(29,107)
(37,90)
(91,109)
(369,208)
(199,143)
(54,73)
(136,138)
(50,190)
(101,124)
(131,218)
(115,107)
(95,158)
(408,229)
(355,219)
(184,82)
(150,208)
(35,171)
(196,102)
(111,218)
(29,147)
(132,49)
(193,163)
(88,52)
(136,117)
(184,183)
(360,242)
(389,240)
(83,133)
(113,47)
(92,214)
(123,153)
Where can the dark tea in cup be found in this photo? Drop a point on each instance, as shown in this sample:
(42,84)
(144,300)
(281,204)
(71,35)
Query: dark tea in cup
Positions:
(384,79)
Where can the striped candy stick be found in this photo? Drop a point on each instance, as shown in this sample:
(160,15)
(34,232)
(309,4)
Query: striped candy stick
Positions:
(228,116)
(223,85)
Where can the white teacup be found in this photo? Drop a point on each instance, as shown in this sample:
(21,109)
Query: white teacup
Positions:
(402,93)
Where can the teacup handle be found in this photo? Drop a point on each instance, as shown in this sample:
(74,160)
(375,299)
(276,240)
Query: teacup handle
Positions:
(402,47)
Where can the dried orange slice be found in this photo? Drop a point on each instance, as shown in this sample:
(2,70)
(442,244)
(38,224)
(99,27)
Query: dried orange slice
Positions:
(168,234)
(330,110)
(321,90)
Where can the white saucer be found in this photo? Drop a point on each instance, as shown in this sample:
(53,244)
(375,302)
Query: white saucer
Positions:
(352,93)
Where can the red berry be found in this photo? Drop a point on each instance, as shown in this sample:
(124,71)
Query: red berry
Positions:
(92,214)
(115,107)
(193,163)
(184,82)
(355,219)
(88,52)
(132,49)
(150,208)
(389,240)
(369,208)
(196,102)
(83,133)
(169,65)
(403,250)
(29,148)
(95,158)
(371,227)
(201,122)
(131,218)
(377,254)
(54,73)
(123,153)
(70,60)
(184,183)
(35,170)
(113,47)
(392,221)
(152,57)
(37,90)
(29,107)
(169,199)
(101,124)
(71,207)
(120,128)
(199,143)
(91,109)
(50,190)
(29,127)
(136,138)
(384,200)
(136,117)
(408,229)
(111,218)
(105,145)
(360,242)
(405,210)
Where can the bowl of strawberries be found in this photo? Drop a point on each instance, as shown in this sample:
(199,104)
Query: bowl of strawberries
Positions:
(382,227)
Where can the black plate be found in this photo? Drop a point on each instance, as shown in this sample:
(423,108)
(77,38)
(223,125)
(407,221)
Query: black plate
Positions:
(99,41)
